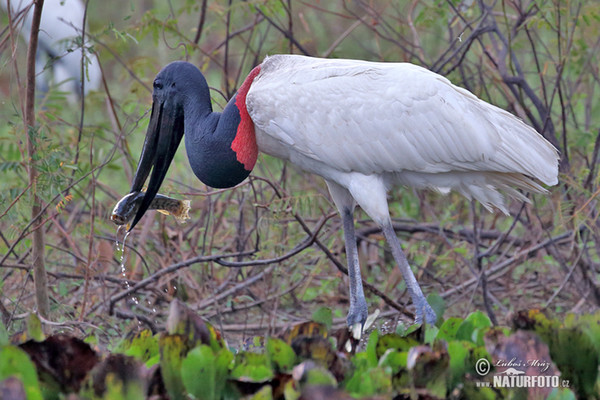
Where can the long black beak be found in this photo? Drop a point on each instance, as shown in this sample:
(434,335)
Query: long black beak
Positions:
(165,131)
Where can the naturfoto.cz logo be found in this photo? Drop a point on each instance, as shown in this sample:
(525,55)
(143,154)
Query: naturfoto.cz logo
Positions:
(514,376)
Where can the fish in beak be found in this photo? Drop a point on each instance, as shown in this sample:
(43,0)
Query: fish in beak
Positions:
(165,131)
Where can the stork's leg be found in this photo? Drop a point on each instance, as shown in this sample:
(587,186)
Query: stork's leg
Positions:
(369,191)
(357,315)
(423,309)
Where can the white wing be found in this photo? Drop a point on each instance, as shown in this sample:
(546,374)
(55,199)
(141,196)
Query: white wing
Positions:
(374,118)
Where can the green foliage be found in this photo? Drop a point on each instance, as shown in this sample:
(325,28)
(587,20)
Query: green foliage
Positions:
(15,362)
(281,354)
(172,352)
(574,335)
(143,346)
(390,364)
(204,372)
(252,367)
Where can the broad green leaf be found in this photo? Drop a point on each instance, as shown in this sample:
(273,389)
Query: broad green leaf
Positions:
(319,376)
(473,328)
(172,352)
(459,365)
(369,382)
(394,359)
(581,370)
(15,362)
(281,354)
(252,367)
(565,342)
(431,332)
(204,373)
(438,304)
(143,346)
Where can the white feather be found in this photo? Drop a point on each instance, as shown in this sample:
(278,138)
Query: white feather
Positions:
(395,121)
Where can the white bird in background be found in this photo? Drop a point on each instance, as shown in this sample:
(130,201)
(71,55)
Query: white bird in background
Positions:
(363,126)
(59,54)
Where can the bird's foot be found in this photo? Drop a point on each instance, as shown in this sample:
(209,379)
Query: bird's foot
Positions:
(423,309)
(357,317)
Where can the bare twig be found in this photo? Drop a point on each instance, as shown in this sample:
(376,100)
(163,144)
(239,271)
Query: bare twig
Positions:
(511,260)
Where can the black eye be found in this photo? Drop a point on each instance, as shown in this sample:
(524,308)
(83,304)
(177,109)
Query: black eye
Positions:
(158,85)
(173,84)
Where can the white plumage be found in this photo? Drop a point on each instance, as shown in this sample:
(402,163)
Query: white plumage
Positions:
(397,121)
(366,127)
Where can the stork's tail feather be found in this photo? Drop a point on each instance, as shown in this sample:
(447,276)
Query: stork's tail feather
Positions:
(486,187)
(496,183)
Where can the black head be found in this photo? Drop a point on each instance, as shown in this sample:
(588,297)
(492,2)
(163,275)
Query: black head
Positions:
(173,89)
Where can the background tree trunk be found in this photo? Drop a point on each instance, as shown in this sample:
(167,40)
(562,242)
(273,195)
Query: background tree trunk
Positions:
(39,267)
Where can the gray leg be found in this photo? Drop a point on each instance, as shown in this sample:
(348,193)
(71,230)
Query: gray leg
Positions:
(358,312)
(423,309)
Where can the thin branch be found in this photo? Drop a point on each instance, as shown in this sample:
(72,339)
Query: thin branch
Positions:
(516,257)
(200,22)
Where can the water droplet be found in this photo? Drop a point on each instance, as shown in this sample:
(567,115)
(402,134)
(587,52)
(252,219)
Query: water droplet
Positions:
(123,257)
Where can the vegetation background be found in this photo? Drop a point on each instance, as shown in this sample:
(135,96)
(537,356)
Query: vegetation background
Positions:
(537,59)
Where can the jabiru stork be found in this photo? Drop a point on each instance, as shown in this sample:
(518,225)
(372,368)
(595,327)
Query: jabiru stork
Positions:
(363,126)
(58,51)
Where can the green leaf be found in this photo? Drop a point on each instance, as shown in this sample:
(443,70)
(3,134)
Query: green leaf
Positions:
(564,342)
(430,334)
(323,316)
(459,365)
(143,346)
(473,328)
(252,367)
(15,362)
(394,359)
(369,382)
(449,328)
(265,393)
(372,349)
(438,304)
(281,355)
(204,373)
(172,352)
(581,370)
(34,328)
(394,341)
(319,376)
